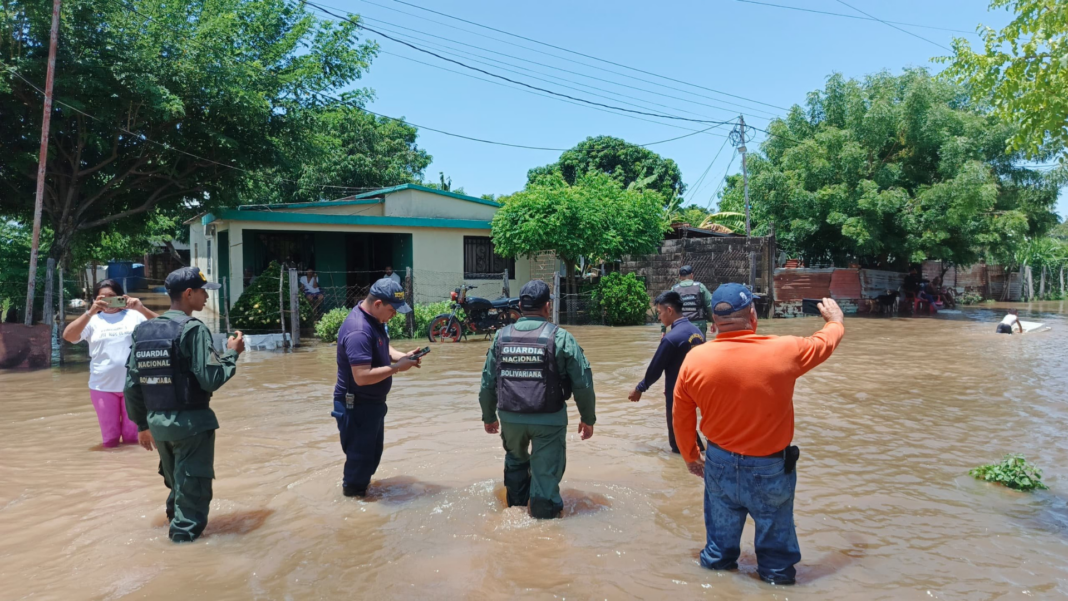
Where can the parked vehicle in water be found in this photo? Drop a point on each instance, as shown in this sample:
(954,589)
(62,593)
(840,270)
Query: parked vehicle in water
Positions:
(480,316)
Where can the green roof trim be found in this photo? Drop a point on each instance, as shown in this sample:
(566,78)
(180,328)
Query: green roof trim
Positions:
(384,191)
(308,205)
(312,218)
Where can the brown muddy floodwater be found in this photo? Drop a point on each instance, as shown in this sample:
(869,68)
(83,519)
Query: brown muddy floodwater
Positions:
(885,509)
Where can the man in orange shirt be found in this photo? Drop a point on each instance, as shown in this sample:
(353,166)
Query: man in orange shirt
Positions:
(744,385)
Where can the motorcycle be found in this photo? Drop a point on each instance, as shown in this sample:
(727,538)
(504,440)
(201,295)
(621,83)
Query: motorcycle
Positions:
(481,316)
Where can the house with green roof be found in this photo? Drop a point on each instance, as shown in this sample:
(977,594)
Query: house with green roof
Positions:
(442,237)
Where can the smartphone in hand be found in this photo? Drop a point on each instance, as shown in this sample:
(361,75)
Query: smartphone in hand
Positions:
(421,352)
(116,302)
(810,306)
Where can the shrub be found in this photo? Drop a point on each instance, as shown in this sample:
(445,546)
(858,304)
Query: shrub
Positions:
(257,309)
(622,299)
(328,325)
(971,298)
(1014,471)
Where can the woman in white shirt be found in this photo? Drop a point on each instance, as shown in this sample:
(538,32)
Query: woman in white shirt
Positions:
(109,332)
(310,284)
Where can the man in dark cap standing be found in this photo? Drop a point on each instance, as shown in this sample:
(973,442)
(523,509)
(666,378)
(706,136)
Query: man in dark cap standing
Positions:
(531,369)
(696,299)
(365,366)
(172,372)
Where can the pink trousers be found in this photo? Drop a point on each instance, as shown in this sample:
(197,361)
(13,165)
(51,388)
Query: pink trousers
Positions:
(111,413)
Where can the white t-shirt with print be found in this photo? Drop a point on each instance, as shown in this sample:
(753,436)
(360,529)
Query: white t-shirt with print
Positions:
(110,337)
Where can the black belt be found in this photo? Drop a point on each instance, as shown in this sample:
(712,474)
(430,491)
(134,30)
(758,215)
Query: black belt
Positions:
(780,455)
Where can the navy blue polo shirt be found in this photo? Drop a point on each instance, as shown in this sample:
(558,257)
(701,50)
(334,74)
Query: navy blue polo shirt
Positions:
(673,348)
(362,340)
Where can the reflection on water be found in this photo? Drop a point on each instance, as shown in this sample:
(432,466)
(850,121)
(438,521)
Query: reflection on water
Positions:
(885,508)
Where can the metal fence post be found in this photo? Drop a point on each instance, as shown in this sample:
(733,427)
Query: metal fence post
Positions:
(226,303)
(281,304)
(294,310)
(506,291)
(47,315)
(62,316)
(556,291)
(409,294)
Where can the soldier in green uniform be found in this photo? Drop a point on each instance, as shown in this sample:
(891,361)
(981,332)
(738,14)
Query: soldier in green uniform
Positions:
(172,371)
(696,299)
(531,369)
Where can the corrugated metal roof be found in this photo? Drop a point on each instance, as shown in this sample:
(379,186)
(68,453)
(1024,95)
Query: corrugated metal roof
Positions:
(845,283)
(797,284)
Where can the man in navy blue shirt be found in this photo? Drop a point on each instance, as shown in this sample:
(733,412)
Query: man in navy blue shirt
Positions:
(669,355)
(365,366)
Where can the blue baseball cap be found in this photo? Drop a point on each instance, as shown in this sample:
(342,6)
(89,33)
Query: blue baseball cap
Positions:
(388,291)
(738,296)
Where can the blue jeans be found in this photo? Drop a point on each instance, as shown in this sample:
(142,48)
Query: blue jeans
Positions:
(362,431)
(736,486)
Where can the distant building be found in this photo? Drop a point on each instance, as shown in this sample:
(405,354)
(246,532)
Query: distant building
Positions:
(443,237)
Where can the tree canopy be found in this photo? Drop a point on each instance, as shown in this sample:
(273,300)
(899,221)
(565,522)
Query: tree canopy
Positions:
(596,218)
(191,104)
(1022,71)
(629,164)
(889,170)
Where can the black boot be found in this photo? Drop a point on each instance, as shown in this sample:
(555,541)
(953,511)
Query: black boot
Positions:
(352,491)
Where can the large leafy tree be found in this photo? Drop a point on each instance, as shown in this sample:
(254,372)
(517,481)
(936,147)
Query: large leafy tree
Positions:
(893,169)
(1022,70)
(182,104)
(596,218)
(629,164)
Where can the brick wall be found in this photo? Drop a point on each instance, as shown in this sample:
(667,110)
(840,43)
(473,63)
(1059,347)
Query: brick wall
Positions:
(715,261)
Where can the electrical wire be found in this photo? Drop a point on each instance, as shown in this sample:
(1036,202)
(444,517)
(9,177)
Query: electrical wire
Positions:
(697,184)
(502,77)
(580,74)
(888,24)
(722,181)
(824,12)
(526,91)
(532,40)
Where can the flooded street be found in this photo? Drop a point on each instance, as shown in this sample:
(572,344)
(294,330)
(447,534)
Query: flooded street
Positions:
(885,509)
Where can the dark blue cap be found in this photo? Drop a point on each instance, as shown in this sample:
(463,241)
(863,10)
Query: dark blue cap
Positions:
(685,270)
(738,296)
(386,290)
(534,294)
(188,277)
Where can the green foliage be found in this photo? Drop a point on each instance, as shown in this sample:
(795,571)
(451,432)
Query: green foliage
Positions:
(236,82)
(595,218)
(257,310)
(1014,471)
(329,324)
(327,327)
(629,164)
(891,170)
(970,298)
(693,215)
(622,299)
(1023,71)
(424,313)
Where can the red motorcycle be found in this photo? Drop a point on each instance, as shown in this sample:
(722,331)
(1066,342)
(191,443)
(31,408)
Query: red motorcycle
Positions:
(480,316)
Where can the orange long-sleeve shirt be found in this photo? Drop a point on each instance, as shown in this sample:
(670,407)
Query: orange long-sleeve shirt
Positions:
(744,385)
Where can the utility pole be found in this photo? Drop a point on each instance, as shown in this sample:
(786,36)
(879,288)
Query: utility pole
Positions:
(42,162)
(738,137)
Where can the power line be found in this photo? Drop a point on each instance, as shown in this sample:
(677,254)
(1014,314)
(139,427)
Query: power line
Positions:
(502,77)
(635,69)
(580,74)
(723,181)
(526,91)
(824,12)
(889,24)
(697,184)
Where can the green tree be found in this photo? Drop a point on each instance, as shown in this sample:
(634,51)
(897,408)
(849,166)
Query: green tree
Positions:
(187,100)
(337,145)
(1022,71)
(629,164)
(596,218)
(889,170)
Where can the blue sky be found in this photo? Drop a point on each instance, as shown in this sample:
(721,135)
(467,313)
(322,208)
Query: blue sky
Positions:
(772,57)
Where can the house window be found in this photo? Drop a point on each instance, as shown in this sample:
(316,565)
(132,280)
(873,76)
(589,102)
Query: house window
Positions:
(481,262)
(209,257)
